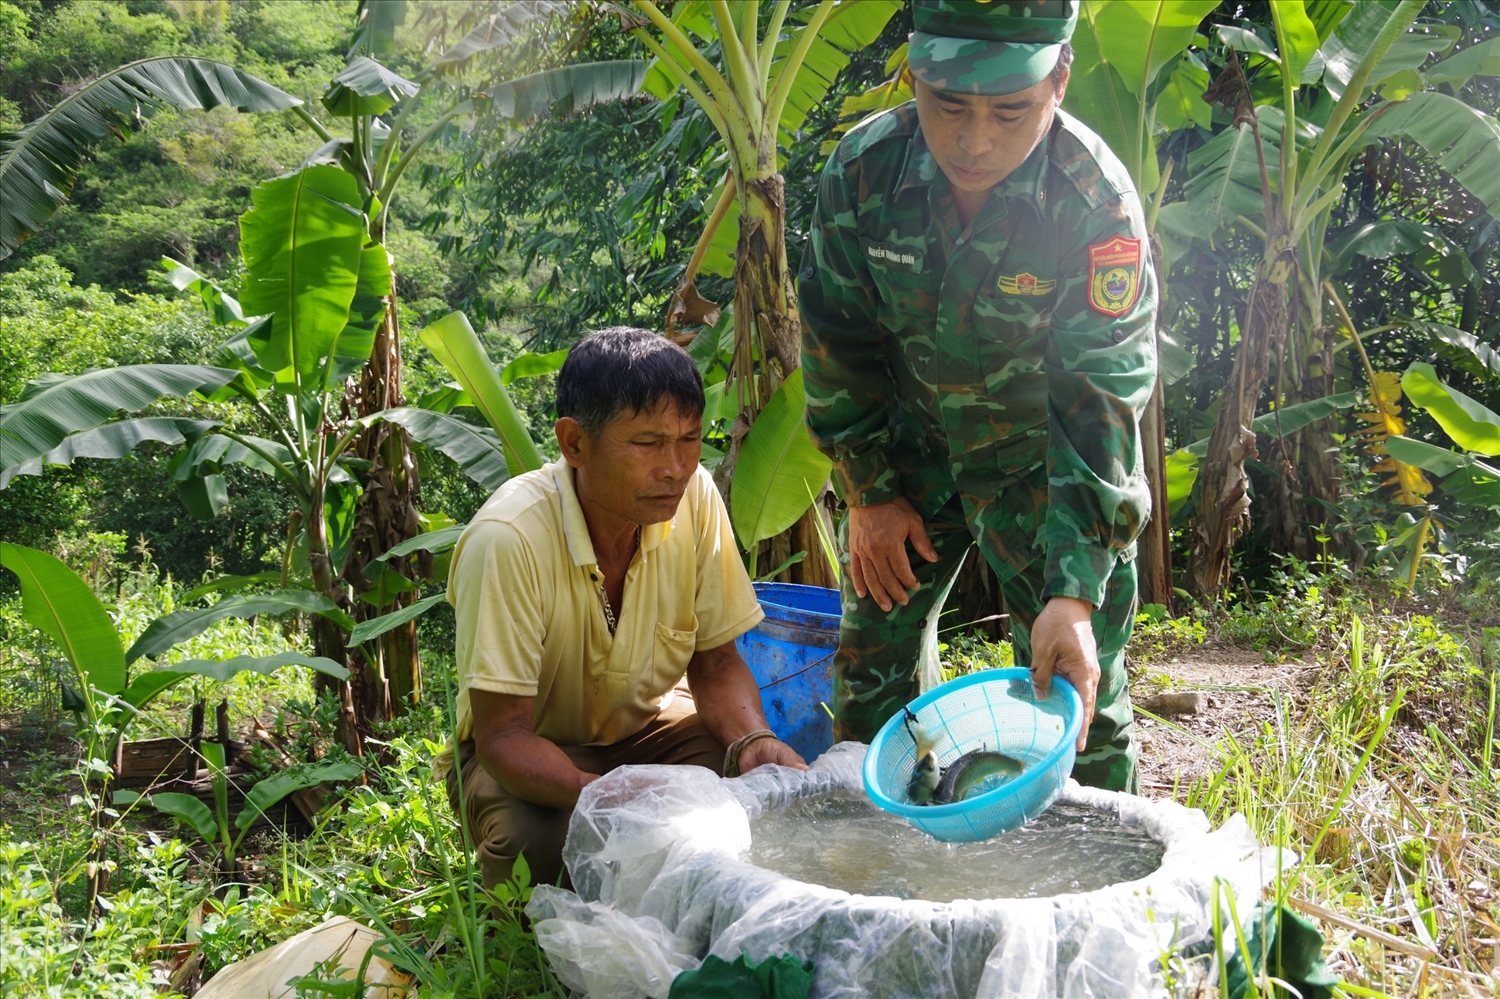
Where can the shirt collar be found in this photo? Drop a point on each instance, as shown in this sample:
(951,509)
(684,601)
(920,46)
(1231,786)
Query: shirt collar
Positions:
(576,527)
(920,168)
(1025,181)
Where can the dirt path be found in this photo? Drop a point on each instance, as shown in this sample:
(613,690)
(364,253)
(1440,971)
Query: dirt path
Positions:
(1237,690)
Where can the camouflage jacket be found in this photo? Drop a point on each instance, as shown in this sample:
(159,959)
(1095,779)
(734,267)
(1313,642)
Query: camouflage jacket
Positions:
(1008,361)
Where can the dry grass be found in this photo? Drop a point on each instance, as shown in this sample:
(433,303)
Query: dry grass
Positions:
(1371,754)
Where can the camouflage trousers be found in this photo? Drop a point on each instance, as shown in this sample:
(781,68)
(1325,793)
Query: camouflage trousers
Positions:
(884,660)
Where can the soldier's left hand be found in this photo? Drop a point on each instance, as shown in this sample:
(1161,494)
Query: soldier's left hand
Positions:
(1062,642)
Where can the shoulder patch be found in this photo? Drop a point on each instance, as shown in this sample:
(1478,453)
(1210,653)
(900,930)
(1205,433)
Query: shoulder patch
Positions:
(1114,275)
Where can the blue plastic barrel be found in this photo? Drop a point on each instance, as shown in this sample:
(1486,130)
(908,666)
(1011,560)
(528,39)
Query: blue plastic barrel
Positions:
(791,655)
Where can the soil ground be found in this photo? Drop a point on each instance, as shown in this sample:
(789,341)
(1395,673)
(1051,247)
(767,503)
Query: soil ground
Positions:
(35,755)
(1240,690)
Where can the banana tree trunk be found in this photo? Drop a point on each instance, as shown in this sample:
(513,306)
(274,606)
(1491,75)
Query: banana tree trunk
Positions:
(387,516)
(1319,464)
(1224,503)
(765,315)
(1156,539)
(328,638)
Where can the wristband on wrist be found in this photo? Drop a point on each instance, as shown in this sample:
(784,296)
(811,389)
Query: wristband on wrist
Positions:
(732,754)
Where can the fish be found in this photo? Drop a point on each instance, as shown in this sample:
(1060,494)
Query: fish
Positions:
(969,771)
(925,779)
(927,773)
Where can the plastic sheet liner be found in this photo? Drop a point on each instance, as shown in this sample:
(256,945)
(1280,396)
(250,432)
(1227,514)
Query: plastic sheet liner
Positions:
(655,857)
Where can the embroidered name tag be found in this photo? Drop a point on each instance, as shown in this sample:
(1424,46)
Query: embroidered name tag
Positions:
(1025,284)
(891,256)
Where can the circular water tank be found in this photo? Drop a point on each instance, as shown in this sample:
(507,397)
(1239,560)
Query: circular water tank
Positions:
(661,862)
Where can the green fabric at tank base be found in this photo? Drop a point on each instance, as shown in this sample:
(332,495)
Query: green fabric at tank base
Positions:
(1293,953)
(774,978)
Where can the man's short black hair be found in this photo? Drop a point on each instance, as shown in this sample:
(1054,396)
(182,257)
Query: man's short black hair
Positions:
(1064,60)
(623,371)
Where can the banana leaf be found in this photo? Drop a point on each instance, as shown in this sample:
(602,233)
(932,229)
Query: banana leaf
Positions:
(1121,48)
(364,87)
(1355,36)
(501,27)
(113,440)
(39,164)
(573,86)
(222,309)
(190,810)
(529,365)
(1437,460)
(477,450)
(1472,425)
(434,541)
(1289,420)
(268,792)
(302,244)
(372,294)
(377,626)
(180,625)
(452,341)
(53,407)
(1463,140)
(61,605)
(223,669)
(378,21)
(779,469)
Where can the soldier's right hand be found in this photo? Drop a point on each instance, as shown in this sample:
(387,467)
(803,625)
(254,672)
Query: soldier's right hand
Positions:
(878,565)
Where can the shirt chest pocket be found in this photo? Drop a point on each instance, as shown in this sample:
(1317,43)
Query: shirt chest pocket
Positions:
(1015,307)
(672,650)
(905,292)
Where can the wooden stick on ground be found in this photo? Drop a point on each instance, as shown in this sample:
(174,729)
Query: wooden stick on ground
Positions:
(1381,937)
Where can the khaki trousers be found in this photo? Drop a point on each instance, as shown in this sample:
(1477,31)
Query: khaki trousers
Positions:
(503,826)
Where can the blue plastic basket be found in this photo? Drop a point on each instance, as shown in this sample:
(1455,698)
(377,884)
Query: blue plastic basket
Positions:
(992,709)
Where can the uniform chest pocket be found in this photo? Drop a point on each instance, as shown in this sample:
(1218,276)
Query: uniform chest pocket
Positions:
(899,272)
(1014,308)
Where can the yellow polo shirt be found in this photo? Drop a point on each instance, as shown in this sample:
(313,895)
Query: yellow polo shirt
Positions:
(524,585)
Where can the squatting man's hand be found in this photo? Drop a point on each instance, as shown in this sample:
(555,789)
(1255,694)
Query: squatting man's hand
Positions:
(763,751)
(1062,642)
(878,565)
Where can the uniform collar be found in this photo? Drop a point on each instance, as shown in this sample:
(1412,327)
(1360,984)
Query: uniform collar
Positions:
(576,528)
(1025,181)
(920,169)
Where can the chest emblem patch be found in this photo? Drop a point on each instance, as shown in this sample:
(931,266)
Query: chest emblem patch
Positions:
(1025,284)
(1114,275)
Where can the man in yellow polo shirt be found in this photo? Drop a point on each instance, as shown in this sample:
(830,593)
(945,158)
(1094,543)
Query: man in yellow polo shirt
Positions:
(585,594)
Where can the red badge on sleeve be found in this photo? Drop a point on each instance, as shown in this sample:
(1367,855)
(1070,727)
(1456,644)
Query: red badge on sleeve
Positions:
(1114,275)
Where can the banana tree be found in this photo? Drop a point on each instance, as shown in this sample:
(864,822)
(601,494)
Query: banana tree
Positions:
(321,281)
(1278,172)
(1132,72)
(378,153)
(774,64)
(63,607)
(213,825)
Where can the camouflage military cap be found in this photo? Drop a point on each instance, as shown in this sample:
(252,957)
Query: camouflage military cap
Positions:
(988,47)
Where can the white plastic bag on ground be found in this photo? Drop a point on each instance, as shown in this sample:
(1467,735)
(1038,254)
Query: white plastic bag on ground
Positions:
(264,974)
(655,857)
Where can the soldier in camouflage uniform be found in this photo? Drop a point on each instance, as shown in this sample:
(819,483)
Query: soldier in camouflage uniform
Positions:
(977,342)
